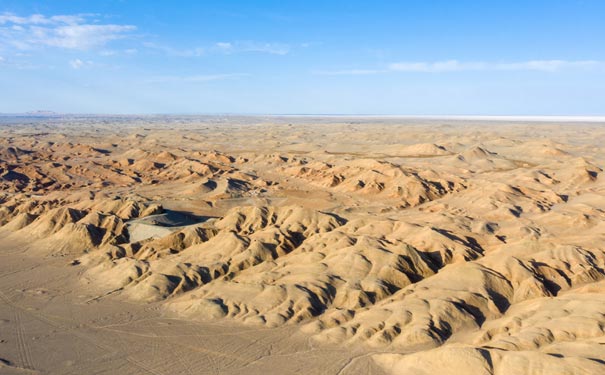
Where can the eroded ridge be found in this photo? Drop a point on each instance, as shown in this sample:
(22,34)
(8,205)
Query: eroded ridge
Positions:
(477,245)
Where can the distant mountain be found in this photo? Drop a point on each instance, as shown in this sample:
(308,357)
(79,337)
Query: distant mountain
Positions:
(37,113)
(42,113)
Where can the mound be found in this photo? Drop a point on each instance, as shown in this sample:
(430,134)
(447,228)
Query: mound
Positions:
(461,360)
(73,229)
(416,150)
(378,179)
(243,238)
(426,149)
(448,248)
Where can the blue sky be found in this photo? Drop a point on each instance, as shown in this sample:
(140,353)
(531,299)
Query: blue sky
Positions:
(304,57)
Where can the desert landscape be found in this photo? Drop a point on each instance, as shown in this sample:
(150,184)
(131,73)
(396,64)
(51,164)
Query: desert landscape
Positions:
(318,245)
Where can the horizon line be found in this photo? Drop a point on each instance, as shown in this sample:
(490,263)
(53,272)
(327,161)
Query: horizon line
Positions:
(562,118)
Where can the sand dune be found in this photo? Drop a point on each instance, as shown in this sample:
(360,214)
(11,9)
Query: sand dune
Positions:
(429,248)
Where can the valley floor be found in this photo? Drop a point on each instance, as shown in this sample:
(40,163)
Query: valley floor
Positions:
(49,328)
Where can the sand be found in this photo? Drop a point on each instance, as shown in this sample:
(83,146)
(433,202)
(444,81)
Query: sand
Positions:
(301,245)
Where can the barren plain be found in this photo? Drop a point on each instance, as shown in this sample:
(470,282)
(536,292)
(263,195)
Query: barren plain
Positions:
(334,245)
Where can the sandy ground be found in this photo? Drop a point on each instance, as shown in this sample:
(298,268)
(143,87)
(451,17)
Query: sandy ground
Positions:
(48,327)
(334,245)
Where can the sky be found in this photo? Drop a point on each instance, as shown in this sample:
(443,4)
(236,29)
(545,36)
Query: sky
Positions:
(414,57)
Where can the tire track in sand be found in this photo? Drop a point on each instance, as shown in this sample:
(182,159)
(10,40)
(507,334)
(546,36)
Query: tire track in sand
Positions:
(23,350)
(25,353)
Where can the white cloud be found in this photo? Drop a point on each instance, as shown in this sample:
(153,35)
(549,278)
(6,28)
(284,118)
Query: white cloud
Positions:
(349,72)
(107,53)
(17,64)
(224,45)
(86,32)
(187,52)
(39,19)
(250,46)
(271,48)
(447,66)
(33,19)
(77,32)
(550,65)
(197,78)
(80,36)
(457,66)
(77,63)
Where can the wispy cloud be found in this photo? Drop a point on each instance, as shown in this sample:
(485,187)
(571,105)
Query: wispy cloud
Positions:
(271,48)
(39,19)
(123,52)
(86,32)
(178,52)
(250,46)
(448,66)
(197,78)
(221,48)
(78,32)
(348,72)
(78,64)
(457,66)
(17,63)
(225,46)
